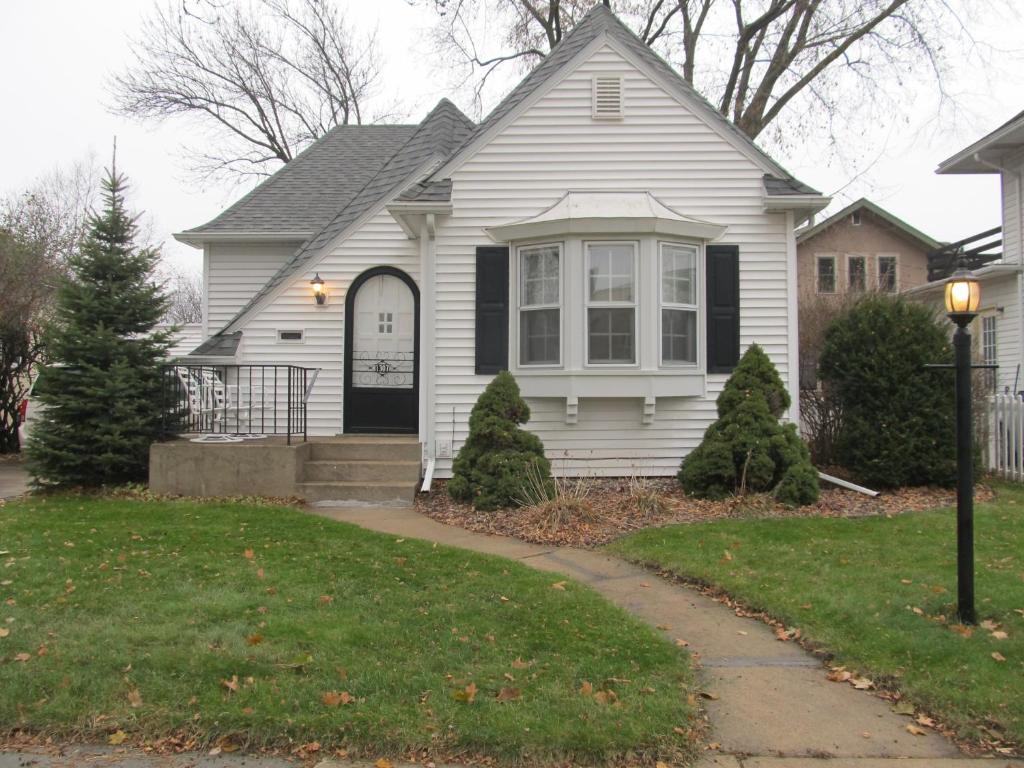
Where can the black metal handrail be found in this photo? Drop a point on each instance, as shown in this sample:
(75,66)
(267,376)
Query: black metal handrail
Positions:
(238,399)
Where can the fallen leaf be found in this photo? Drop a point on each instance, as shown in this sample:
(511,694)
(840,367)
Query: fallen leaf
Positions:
(906,581)
(586,689)
(998,656)
(325,599)
(924,720)
(916,731)
(467,694)
(117,737)
(918,611)
(660,764)
(962,629)
(989,625)
(681,643)
(254,639)
(22,657)
(503,599)
(135,698)
(383,763)
(232,684)
(560,585)
(508,694)
(903,707)
(259,573)
(663,627)
(727,556)
(605,697)
(249,554)
(645,585)
(4,631)
(520,664)
(839,675)
(999,635)
(709,695)
(336,698)
(862,683)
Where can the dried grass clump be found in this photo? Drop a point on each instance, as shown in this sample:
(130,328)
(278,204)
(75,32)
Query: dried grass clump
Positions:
(645,498)
(554,503)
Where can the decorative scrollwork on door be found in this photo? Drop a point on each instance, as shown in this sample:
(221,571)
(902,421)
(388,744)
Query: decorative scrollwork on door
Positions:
(383,370)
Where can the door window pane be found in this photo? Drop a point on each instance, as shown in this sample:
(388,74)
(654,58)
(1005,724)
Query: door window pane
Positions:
(678,274)
(678,336)
(611,335)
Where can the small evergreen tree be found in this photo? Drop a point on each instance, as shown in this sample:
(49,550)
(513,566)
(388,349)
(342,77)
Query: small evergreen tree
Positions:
(897,423)
(102,394)
(491,468)
(747,449)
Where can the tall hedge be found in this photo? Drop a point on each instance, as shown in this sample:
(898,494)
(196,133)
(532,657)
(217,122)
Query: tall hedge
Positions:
(492,465)
(747,449)
(898,417)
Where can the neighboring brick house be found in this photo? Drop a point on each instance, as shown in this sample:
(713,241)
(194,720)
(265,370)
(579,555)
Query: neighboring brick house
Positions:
(862,247)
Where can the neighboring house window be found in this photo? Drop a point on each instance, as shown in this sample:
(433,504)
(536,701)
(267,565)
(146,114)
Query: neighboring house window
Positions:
(988,340)
(887,274)
(826,274)
(857,272)
(678,304)
(611,303)
(855,218)
(540,288)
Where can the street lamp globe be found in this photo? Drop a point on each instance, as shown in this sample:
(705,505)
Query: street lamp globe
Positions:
(963,295)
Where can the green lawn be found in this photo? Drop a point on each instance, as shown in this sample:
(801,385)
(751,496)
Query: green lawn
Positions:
(225,621)
(879,593)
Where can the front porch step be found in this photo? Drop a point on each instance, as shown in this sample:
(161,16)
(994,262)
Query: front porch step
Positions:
(361,470)
(366,448)
(398,493)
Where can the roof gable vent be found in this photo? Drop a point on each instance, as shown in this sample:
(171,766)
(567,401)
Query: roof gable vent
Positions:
(607,97)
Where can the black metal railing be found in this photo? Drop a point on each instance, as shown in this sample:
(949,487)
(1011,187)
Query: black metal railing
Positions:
(976,251)
(238,399)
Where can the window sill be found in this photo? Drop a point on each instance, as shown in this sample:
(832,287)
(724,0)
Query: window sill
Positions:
(628,383)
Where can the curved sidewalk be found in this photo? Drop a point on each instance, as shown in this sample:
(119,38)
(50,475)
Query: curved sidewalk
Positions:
(771,705)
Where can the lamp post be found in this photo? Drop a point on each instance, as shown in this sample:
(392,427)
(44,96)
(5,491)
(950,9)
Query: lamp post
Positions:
(963,294)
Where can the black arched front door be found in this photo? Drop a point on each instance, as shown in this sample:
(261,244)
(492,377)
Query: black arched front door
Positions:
(382,344)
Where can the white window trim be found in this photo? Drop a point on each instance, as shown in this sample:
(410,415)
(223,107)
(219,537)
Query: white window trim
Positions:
(634,305)
(817,274)
(662,304)
(896,271)
(560,306)
(992,320)
(849,272)
(300,340)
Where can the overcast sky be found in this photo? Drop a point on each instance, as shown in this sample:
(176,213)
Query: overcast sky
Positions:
(57,57)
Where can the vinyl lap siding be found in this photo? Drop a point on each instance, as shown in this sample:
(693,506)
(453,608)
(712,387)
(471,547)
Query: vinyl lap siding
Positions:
(236,271)
(379,242)
(554,147)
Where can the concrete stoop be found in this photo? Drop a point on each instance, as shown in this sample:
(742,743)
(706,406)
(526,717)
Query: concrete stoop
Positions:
(358,469)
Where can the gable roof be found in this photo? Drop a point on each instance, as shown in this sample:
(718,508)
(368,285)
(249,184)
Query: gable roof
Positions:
(433,139)
(864,204)
(1007,138)
(304,194)
(600,20)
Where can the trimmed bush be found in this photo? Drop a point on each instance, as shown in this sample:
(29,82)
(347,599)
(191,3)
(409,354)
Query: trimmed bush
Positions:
(898,416)
(495,460)
(747,449)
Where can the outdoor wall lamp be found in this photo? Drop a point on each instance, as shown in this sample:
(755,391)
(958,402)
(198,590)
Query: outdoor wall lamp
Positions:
(319,291)
(963,295)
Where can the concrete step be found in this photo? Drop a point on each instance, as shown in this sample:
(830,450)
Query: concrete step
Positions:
(397,493)
(361,471)
(369,448)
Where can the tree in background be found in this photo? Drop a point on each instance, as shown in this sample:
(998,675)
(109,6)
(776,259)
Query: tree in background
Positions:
(184,291)
(794,65)
(747,449)
(39,230)
(498,457)
(897,415)
(102,396)
(267,77)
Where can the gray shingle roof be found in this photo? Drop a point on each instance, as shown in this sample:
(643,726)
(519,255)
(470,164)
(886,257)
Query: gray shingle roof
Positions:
(304,194)
(428,192)
(221,345)
(598,20)
(773,185)
(433,139)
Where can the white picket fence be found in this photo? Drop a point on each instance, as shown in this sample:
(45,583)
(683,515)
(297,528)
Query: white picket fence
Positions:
(1006,437)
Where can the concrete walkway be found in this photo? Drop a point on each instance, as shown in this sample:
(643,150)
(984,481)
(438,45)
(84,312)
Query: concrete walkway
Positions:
(13,479)
(771,704)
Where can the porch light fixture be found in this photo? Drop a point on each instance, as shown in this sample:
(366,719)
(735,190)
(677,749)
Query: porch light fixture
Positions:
(963,295)
(319,292)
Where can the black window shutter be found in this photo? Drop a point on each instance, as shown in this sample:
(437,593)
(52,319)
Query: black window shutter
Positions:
(491,309)
(723,310)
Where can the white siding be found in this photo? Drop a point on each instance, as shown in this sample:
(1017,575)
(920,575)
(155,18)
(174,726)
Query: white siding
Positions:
(556,146)
(1012,208)
(236,271)
(379,242)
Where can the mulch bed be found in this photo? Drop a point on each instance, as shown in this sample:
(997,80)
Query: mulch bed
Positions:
(617,511)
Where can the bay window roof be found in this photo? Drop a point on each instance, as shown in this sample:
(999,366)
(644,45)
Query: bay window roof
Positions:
(589,213)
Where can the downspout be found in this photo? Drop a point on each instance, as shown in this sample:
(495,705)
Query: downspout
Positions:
(428,304)
(793,353)
(1019,215)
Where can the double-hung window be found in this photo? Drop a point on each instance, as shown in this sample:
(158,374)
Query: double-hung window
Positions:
(678,269)
(540,292)
(857,272)
(826,273)
(988,340)
(611,303)
(887,274)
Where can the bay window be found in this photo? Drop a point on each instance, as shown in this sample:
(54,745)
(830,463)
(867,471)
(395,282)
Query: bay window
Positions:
(678,286)
(540,298)
(611,303)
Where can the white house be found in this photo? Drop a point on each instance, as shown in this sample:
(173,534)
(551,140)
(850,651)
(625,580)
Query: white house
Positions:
(605,234)
(999,328)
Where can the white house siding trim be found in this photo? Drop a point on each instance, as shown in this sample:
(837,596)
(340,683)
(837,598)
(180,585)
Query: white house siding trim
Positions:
(380,241)
(233,272)
(1012,206)
(555,146)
